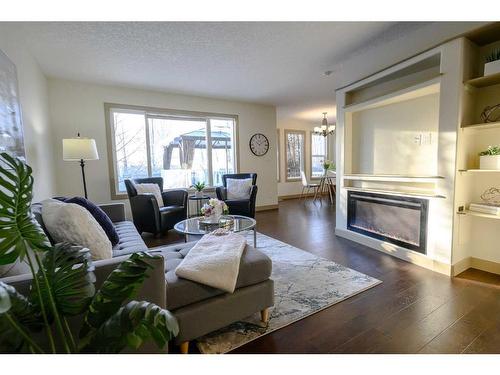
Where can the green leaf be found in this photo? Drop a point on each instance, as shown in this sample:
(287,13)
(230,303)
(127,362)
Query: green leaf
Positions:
(23,312)
(131,326)
(17,225)
(121,285)
(69,273)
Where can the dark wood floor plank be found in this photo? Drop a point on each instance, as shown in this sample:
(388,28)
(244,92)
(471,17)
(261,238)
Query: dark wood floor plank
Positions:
(413,310)
(463,332)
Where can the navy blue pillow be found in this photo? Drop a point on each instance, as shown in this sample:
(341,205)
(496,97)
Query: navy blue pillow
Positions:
(98,214)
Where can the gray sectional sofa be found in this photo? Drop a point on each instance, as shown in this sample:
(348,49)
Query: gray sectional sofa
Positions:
(199,309)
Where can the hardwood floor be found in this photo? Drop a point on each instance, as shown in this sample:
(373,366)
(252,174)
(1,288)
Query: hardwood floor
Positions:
(413,311)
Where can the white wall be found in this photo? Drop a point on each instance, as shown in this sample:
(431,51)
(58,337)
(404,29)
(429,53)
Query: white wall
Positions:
(385,138)
(79,107)
(34,105)
(291,123)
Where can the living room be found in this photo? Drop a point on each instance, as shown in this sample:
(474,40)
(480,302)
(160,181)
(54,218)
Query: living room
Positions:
(249,187)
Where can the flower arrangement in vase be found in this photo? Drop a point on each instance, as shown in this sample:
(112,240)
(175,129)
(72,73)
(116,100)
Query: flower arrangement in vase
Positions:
(328,165)
(213,210)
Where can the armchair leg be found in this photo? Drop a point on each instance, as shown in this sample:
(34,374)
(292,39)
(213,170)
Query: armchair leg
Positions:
(184,346)
(264,315)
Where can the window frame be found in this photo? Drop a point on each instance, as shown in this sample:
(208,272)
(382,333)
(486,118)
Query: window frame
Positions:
(311,154)
(153,112)
(303,153)
(278,153)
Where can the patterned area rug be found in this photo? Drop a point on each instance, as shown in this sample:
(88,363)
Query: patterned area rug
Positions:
(303,283)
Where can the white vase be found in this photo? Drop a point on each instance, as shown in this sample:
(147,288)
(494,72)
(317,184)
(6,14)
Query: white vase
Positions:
(491,162)
(198,194)
(492,68)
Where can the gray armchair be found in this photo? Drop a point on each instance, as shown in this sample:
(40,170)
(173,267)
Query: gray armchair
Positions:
(244,207)
(148,215)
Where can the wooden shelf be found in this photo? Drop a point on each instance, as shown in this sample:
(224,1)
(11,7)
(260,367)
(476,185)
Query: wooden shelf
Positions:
(487,125)
(416,91)
(480,170)
(479,214)
(391,177)
(489,80)
(398,193)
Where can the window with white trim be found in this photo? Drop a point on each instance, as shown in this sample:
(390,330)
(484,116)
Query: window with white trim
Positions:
(319,147)
(181,148)
(294,156)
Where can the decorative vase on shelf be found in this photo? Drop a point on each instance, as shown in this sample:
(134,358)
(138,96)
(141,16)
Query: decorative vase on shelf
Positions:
(491,162)
(198,194)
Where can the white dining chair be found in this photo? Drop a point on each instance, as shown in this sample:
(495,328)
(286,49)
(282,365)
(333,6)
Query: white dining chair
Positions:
(307,186)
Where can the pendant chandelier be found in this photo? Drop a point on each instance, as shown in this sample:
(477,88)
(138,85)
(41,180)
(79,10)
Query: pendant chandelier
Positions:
(325,130)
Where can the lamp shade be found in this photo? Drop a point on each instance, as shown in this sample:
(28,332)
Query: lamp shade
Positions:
(79,149)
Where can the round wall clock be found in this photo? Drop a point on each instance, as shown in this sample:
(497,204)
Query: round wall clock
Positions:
(259,144)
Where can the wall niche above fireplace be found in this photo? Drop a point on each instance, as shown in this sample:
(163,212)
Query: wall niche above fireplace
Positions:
(395,219)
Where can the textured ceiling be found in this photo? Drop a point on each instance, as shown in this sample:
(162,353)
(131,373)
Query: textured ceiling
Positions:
(282,64)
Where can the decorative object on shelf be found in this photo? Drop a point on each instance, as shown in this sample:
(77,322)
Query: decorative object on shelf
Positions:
(259,144)
(491,113)
(11,127)
(80,149)
(198,187)
(492,62)
(325,130)
(491,196)
(485,208)
(490,158)
(213,210)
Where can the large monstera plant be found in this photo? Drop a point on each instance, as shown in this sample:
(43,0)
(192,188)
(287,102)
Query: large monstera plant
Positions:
(63,287)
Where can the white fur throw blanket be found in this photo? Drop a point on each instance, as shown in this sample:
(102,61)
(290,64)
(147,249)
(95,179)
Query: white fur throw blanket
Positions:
(214,261)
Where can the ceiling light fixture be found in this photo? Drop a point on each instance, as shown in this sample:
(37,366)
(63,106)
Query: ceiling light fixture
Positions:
(325,130)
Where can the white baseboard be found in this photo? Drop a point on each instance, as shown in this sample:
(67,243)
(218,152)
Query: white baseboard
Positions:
(396,251)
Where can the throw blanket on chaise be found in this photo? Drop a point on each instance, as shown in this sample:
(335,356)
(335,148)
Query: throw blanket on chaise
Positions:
(214,261)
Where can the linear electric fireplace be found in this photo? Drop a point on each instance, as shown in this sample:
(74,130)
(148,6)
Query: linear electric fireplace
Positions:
(399,220)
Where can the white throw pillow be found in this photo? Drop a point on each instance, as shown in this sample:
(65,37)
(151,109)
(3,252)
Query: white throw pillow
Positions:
(238,188)
(150,189)
(69,222)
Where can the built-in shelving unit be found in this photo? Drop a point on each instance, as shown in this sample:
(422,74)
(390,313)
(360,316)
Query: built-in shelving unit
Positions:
(398,193)
(416,91)
(476,238)
(478,214)
(391,177)
(485,81)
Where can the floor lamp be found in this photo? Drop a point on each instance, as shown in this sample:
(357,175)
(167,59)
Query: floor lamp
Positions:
(80,149)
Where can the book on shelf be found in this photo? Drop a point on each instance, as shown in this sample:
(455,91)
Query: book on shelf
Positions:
(485,208)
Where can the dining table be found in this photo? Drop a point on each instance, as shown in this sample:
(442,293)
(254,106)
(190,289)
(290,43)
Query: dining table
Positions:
(327,186)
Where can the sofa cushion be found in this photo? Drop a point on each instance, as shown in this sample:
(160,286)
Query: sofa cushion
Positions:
(100,216)
(69,222)
(238,188)
(255,267)
(130,241)
(146,188)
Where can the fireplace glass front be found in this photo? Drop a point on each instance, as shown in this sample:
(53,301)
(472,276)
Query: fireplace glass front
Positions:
(396,219)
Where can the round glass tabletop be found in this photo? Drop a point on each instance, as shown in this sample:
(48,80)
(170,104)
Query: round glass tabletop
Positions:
(196,226)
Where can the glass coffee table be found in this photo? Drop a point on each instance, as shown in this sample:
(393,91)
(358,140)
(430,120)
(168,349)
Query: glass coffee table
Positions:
(196,226)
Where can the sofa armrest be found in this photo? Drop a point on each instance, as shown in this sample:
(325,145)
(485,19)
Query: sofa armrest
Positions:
(175,198)
(253,198)
(221,192)
(146,213)
(115,211)
(153,288)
